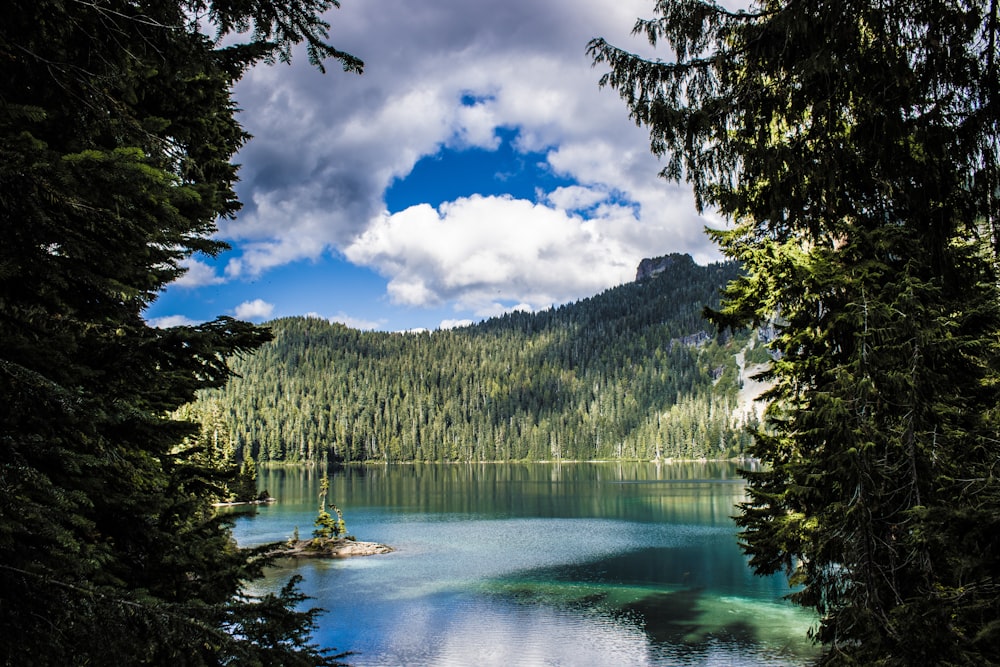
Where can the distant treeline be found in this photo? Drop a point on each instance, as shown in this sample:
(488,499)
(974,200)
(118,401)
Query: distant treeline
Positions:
(633,373)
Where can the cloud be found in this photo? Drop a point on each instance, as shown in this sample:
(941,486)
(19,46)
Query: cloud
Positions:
(172,321)
(452,74)
(258,309)
(576,197)
(357,322)
(455,324)
(197,274)
(479,252)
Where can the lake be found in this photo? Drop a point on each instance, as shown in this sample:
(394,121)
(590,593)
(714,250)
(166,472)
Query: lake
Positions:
(535,564)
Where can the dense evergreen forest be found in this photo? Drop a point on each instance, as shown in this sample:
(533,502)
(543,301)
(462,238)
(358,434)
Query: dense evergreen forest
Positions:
(634,372)
(117,129)
(854,148)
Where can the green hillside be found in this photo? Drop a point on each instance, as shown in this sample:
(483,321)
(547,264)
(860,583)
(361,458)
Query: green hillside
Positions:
(634,372)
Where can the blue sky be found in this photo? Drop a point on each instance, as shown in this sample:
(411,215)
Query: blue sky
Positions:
(474,168)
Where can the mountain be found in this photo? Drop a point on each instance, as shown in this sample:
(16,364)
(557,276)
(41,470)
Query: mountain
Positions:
(634,372)
(654,266)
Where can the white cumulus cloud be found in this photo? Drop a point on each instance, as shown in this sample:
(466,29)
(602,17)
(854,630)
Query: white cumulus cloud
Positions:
(172,321)
(197,274)
(258,309)
(356,322)
(453,73)
(481,251)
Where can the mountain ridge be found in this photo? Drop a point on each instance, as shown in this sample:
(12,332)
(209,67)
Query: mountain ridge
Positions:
(633,372)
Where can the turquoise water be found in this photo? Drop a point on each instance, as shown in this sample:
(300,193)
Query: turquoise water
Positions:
(536,564)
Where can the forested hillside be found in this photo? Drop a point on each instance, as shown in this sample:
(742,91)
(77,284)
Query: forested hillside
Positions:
(634,372)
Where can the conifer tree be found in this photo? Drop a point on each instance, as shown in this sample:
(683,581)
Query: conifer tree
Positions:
(852,145)
(326,525)
(116,132)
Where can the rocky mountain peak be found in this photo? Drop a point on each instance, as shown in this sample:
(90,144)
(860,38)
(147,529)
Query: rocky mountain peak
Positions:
(654,266)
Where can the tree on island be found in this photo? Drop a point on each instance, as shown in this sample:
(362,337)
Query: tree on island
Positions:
(853,147)
(117,128)
(328,528)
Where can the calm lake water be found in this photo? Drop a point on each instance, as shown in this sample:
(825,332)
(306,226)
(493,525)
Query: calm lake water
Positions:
(535,564)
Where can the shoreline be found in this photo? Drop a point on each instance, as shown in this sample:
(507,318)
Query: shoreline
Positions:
(237,503)
(666,460)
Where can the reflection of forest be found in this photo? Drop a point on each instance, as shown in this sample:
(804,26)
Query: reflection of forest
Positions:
(692,493)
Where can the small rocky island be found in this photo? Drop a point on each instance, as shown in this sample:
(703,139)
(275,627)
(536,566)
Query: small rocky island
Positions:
(330,539)
(332,547)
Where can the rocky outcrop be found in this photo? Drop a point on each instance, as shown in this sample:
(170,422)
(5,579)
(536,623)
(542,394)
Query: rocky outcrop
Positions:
(697,339)
(337,547)
(651,267)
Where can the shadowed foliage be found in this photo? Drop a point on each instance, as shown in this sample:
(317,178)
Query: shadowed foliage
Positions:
(116,133)
(853,146)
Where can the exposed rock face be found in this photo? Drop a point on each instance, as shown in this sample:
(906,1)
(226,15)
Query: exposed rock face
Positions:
(650,267)
(697,339)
